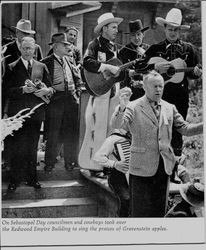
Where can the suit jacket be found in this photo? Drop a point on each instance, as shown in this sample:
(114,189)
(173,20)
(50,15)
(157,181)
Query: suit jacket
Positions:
(13,51)
(151,138)
(49,61)
(14,79)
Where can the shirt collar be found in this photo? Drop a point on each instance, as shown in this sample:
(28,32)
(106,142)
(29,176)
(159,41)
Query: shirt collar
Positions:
(25,62)
(153,103)
(176,43)
(58,57)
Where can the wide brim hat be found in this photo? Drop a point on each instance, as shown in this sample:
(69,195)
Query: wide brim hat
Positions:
(136,26)
(174,18)
(105,19)
(24,26)
(193,193)
(59,38)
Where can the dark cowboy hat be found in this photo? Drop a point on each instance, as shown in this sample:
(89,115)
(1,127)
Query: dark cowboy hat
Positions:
(136,26)
(59,38)
(193,193)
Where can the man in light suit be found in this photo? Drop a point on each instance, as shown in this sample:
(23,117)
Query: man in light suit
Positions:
(150,120)
(23,145)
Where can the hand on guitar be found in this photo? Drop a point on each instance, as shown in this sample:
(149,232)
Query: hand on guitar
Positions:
(198,71)
(122,166)
(162,67)
(109,70)
(125,94)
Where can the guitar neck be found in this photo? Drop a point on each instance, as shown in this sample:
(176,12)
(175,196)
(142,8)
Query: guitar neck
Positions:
(184,69)
(126,65)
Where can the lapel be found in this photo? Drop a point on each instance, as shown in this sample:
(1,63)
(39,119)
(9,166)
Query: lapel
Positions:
(35,70)
(147,110)
(24,68)
(163,114)
(49,61)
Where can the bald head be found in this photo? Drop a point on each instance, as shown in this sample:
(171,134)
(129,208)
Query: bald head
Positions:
(153,85)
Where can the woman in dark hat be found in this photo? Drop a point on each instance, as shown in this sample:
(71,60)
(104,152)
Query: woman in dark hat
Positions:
(134,50)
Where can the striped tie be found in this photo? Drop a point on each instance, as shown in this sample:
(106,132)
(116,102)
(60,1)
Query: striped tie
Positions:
(156,108)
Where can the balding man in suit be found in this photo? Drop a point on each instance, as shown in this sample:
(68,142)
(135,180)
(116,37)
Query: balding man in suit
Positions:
(23,145)
(150,121)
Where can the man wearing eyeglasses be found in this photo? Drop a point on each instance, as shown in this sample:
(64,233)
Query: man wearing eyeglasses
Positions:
(18,87)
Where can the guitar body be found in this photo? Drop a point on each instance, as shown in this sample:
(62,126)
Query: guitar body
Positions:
(97,84)
(175,73)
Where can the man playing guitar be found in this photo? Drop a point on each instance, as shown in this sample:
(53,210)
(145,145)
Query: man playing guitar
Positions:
(173,48)
(99,108)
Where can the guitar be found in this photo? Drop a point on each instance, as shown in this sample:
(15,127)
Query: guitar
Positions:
(96,83)
(176,71)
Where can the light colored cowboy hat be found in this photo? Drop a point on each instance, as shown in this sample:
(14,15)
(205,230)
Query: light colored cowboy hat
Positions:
(24,26)
(174,18)
(105,19)
(193,193)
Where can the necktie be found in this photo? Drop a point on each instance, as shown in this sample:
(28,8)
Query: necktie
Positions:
(112,47)
(29,68)
(156,108)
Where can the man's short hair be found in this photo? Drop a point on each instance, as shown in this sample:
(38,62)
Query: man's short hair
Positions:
(151,74)
(28,39)
(71,28)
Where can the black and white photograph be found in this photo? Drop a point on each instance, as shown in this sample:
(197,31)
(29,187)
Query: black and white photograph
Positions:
(102,123)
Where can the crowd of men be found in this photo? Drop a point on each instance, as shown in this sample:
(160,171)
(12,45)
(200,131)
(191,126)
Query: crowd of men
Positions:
(143,106)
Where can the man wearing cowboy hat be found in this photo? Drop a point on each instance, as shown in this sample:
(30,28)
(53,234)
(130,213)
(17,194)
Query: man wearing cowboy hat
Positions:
(99,50)
(134,50)
(23,28)
(171,48)
(61,116)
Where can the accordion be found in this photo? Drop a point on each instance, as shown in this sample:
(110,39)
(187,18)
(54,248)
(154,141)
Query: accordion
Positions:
(122,153)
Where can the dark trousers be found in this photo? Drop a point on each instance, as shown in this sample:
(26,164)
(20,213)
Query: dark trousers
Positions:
(148,195)
(177,95)
(23,152)
(62,125)
(118,183)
